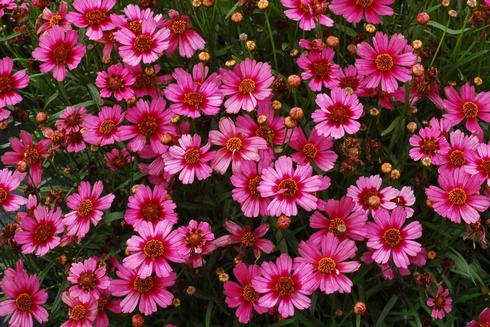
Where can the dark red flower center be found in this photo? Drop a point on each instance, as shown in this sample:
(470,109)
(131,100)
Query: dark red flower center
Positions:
(470,110)
(31,155)
(87,281)
(78,312)
(107,127)
(439,302)
(384,62)
(142,81)
(143,43)
(3,194)
(337,226)
(429,145)
(247,239)
(143,285)
(195,239)
(253,183)
(349,82)
(392,237)
(364,3)
(321,69)
(148,125)
(154,249)
(265,131)
(86,207)
(151,210)
(101,304)
(6,84)
(115,83)
(95,17)
(457,196)
(289,186)
(42,233)
(310,150)
(400,201)
(73,120)
(484,167)
(193,99)
(179,26)
(327,265)
(249,294)
(24,302)
(135,27)
(457,158)
(339,114)
(284,286)
(60,54)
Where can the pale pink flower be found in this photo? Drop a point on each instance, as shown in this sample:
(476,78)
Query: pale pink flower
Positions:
(182,35)
(405,198)
(316,148)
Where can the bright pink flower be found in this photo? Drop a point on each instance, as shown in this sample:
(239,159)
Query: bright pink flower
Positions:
(105,304)
(422,87)
(337,114)
(328,258)
(194,241)
(71,119)
(104,129)
(354,10)
(86,206)
(145,46)
(429,143)
(39,231)
(459,197)
(146,84)
(116,159)
(349,80)
(80,313)
(182,35)
(134,18)
(151,120)
(190,159)
(317,148)
(89,280)
(9,182)
(483,319)
(307,13)
(442,126)
(6,4)
(390,61)
(193,94)
(404,199)
(319,69)
(150,205)
(315,44)
(116,81)
(152,248)
(461,147)
(390,239)
(368,195)
(58,49)
(290,187)
(25,151)
(479,162)
(248,82)
(442,303)
(242,295)
(93,15)
(54,19)
(280,284)
(149,292)
(10,83)
(344,220)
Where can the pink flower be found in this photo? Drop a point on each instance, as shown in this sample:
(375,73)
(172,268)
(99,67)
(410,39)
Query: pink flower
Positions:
(39,231)
(344,220)
(135,15)
(190,159)
(390,239)
(337,114)
(71,119)
(86,206)
(105,304)
(104,129)
(483,319)
(152,248)
(462,147)
(54,19)
(441,303)
(404,199)
(290,187)
(349,80)
(459,197)
(89,280)
(182,35)
(194,241)
(193,94)
(145,46)
(10,83)
(317,148)
(150,121)
(147,84)
(248,82)
(149,292)
(116,159)
(116,81)
(368,195)
(242,295)
(92,14)
(6,4)
(319,69)
(80,313)
(354,10)
(388,62)
(429,143)
(150,205)
(280,284)
(9,182)
(58,49)
(25,298)
(479,162)
(28,153)
(307,13)
(328,257)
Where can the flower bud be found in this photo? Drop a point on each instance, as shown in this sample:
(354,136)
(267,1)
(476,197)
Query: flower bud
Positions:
(294,81)
(332,41)
(237,18)
(386,168)
(276,105)
(290,123)
(423,18)
(359,308)
(418,70)
(296,113)
(204,56)
(261,119)
(41,117)
(137,320)
(283,222)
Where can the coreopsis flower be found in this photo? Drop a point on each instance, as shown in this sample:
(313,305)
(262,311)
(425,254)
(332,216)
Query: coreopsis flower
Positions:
(458,197)
(461,147)
(89,280)
(105,304)
(405,198)
(390,239)
(71,119)
(116,81)
(52,19)
(344,220)
(483,319)
(6,5)
(86,206)
(368,194)
(39,232)
(10,83)
(150,205)
(354,10)
(479,162)
(441,303)
(194,241)
(241,294)
(338,114)
(429,143)
(134,16)
(147,293)
(75,142)
(289,187)
(442,125)
(80,313)
(316,148)
(329,259)
(147,83)
(349,80)
(116,159)
(248,82)
(92,15)
(279,284)
(9,182)
(189,159)
(319,68)
(104,128)
(28,153)
(193,94)
(182,35)
(390,61)
(307,13)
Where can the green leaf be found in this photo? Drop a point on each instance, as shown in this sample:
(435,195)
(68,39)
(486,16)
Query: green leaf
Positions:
(209,311)
(391,127)
(448,30)
(386,309)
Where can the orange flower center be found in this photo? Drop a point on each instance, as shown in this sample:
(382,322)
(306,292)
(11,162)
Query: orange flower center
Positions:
(364,3)
(234,144)
(54,20)
(151,210)
(284,286)
(143,43)
(148,125)
(253,183)
(249,294)
(247,239)
(321,69)
(101,304)
(87,281)
(192,156)
(73,120)
(143,286)
(115,83)
(31,155)
(457,158)
(440,300)
(85,208)
(78,312)
(484,167)
(95,17)
(194,239)
(429,145)
(60,54)
(246,86)
(327,265)
(370,198)
(135,27)
(193,99)
(339,114)
(310,150)
(42,233)
(179,26)
(24,302)
(337,226)
(457,196)
(6,84)
(392,237)
(154,249)
(384,62)
(3,194)
(107,127)
(470,110)
(290,186)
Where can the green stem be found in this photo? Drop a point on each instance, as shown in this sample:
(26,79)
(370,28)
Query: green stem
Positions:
(269,30)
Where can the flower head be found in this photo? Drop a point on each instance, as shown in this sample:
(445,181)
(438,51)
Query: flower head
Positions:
(52,19)
(368,194)
(319,69)
(441,303)
(80,313)
(88,279)
(10,83)
(316,148)
(116,81)
(354,10)
(194,241)
(182,35)
(93,15)
(429,143)
(9,182)
(307,13)
(104,128)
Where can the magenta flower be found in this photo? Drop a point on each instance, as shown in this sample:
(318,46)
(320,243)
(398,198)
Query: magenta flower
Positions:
(337,114)
(194,241)
(10,83)
(290,187)
(429,143)
(317,148)
(442,303)
(104,128)
(116,81)
(134,18)
(71,119)
(80,313)
(319,69)
(461,147)
(93,15)
(368,195)
(241,294)
(105,304)
(8,5)
(388,62)
(147,84)
(483,319)
(54,19)
(404,199)
(9,182)
(459,197)
(182,35)
(307,13)
(479,162)
(354,10)
(86,206)
(350,80)
(248,82)
(280,284)
(58,49)
(390,239)
(116,159)
(88,279)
